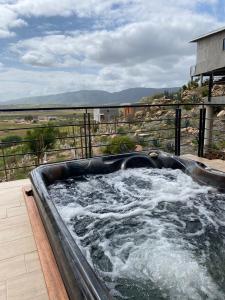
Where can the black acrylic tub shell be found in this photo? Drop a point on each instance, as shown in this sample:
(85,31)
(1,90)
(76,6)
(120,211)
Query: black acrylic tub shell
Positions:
(79,278)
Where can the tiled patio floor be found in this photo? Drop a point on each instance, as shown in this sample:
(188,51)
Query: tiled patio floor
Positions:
(21,276)
(217,164)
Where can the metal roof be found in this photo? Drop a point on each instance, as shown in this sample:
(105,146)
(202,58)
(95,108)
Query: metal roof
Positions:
(208,34)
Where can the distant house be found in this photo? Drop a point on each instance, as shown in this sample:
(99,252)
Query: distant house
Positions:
(105,114)
(210,59)
(52,118)
(129,111)
(210,54)
(210,64)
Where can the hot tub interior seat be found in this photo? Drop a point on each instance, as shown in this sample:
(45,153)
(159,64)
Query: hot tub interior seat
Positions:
(106,165)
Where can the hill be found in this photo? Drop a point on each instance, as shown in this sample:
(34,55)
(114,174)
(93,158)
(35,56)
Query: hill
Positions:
(90,97)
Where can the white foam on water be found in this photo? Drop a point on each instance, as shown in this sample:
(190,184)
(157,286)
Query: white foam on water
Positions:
(144,220)
(172,268)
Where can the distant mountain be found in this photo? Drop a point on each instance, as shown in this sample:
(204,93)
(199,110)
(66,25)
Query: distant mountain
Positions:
(90,97)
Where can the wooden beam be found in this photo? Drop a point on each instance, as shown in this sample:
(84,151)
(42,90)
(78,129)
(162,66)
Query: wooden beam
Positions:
(53,279)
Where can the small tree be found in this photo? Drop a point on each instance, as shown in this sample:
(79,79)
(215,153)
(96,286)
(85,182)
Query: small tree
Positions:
(41,139)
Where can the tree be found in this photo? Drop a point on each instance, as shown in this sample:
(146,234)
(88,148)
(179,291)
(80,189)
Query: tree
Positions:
(41,139)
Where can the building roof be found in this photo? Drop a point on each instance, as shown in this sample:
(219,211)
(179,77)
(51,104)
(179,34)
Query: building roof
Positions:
(208,34)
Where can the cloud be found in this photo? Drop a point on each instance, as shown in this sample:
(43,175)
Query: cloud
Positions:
(155,41)
(125,43)
(106,12)
(27,83)
(8,21)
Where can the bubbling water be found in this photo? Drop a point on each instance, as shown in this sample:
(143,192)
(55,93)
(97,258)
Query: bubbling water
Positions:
(148,233)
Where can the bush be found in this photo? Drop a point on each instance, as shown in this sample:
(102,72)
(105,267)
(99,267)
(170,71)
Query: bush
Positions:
(120,144)
(205,92)
(121,130)
(192,84)
(28,118)
(11,140)
(156,143)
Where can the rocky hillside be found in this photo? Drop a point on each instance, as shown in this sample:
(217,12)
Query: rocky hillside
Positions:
(190,93)
(218,90)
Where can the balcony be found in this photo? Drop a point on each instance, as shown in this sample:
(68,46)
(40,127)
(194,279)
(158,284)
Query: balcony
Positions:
(178,129)
(32,137)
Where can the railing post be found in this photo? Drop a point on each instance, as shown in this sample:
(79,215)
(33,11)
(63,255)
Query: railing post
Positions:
(4,162)
(89,135)
(74,141)
(177,131)
(85,135)
(201,134)
(81,142)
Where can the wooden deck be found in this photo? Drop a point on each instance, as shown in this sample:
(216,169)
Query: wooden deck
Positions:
(217,164)
(28,270)
(23,274)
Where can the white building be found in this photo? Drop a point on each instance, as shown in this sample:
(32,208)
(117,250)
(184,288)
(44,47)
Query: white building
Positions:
(105,114)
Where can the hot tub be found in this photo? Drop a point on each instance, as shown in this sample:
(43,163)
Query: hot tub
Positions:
(133,226)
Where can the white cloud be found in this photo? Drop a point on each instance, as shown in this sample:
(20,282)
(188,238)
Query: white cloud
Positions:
(8,21)
(132,43)
(108,11)
(156,42)
(27,83)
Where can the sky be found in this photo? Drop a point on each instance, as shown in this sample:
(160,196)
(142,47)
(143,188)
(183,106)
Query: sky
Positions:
(56,46)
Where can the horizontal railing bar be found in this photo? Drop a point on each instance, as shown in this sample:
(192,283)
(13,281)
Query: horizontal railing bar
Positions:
(41,152)
(42,127)
(82,136)
(100,106)
(78,148)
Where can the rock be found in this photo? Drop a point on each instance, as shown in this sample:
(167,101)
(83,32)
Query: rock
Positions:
(139,114)
(190,130)
(139,148)
(153,154)
(218,90)
(221,114)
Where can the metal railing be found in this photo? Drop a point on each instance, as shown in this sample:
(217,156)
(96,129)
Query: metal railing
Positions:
(34,136)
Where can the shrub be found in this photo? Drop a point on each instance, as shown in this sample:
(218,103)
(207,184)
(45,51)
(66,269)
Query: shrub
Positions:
(192,84)
(11,140)
(121,130)
(156,143)
(120,144)
(205,92)
(28,118)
